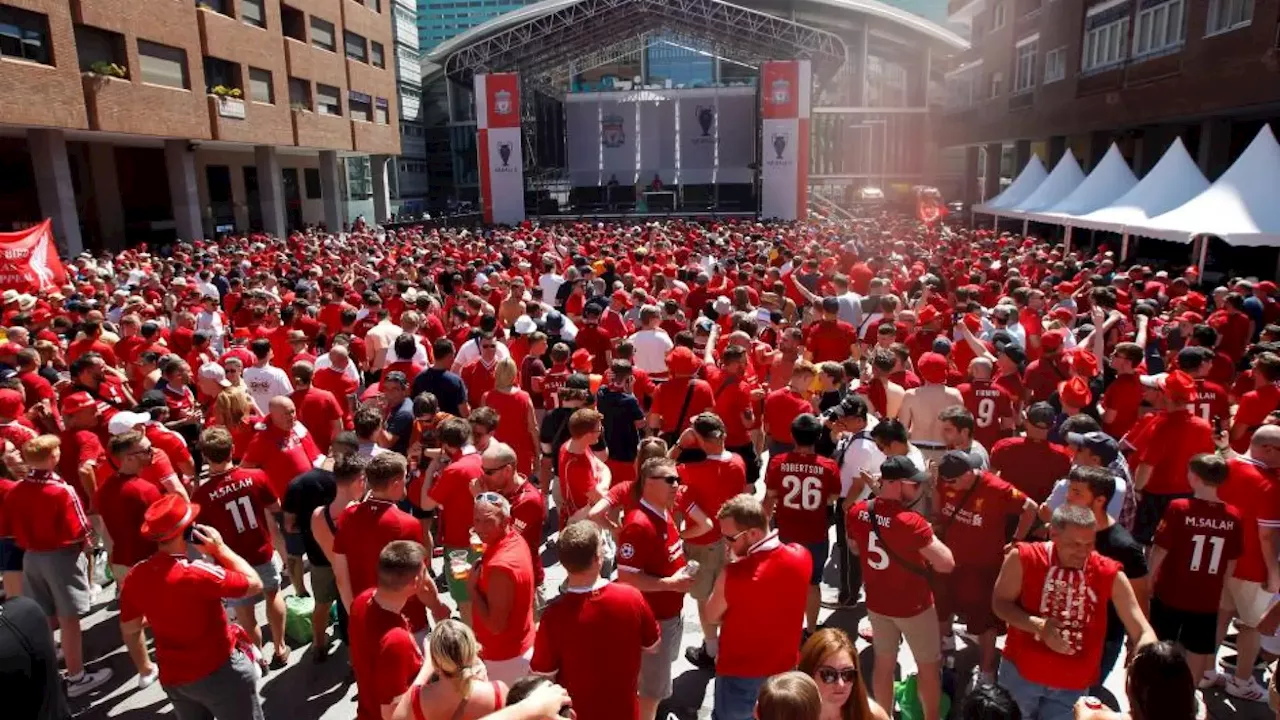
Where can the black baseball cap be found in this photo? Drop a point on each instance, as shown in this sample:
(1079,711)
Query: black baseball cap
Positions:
(1041,414)
(900,467)
(955,463)
(1098,443)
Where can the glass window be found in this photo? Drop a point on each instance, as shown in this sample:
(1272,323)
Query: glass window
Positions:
(97,47)
(163,65)
(260,89)
(1055,65)
(376,54)
(360,106)
(997,16)
(322,34)
(1105,45)
(1227,15)
(1160,28)
(328,100)
(380,107)
(251,12)
(299,94)
(355,46)
(997,80)
(1024,78)
(24,35)
(311,181)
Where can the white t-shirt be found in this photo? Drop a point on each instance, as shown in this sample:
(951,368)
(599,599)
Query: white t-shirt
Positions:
(470,350)
(860,456)
(550,284)
(266,383)
(652,347)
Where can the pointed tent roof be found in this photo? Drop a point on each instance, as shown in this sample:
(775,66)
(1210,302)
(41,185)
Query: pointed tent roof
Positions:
(1108,181)
(1032,175)
(1064,179)
(1173,181)
(1240,207)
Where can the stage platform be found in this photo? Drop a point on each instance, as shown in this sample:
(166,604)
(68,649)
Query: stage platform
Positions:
(617,216)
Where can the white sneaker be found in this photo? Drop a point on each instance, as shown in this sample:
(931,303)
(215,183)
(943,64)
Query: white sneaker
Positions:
(1248,690)
(146,681)
(87,682)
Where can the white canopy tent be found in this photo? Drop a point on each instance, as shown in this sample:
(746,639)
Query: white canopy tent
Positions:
(1240,207)
(1173,181)
(1065,178)
(1021,188)
(1111,179)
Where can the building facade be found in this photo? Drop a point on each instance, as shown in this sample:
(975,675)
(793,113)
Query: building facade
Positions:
(408,175)
(1045,76)
(441,20)
(156,119)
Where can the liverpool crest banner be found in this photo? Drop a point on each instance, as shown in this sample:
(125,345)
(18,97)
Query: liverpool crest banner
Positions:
(784,155)
(498,145)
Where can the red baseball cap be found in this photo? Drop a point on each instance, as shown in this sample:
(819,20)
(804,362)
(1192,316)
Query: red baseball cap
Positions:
(932,367)
(168,516)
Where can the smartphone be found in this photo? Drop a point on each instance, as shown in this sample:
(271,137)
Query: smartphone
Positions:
(190,535)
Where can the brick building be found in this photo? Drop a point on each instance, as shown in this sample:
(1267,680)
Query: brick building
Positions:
(154,119)
(1043,76)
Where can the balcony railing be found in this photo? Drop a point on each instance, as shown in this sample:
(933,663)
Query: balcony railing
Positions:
(1022,100)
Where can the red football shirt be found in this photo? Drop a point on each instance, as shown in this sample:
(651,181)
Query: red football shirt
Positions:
(17,432)
(452,490)
(182,601)
(510,556)
(1044,375)
(802,482)
(670,397)
(1201,538)
(597,342)
(341,386)
(171,443)
(282,455)
(123,501)
(591,641)
(317,409)
(893,590)
(761,631)
(1173,439)
(235,504)
(732,403)
(975,530)
(43,512)
(1124,396)
(1212,403)
(990,405)
(650,543)
(1032,467)
(528,512)
(384,656)
(80,448)
(1254,491)
(579,473)
(830,341)
(1252,412)
(364,529)
(710,483)
(479,380)
(781,407)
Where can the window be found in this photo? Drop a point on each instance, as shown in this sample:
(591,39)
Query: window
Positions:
(997,16)
(95,46)
(328,100)
(24,35)
(299,94)
(355,46)
(1055,65)
(1104,45)
(376,54)
(380,107)
(1227,15)
(251,12)
(360,106)
(221,73)
(293,23)
(311,181)
(1159,28)
(1024,75)
(260,88)
(996,81)
(359,178)
(163,65)
(322,34)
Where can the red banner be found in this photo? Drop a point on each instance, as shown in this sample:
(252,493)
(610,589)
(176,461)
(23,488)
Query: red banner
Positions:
(29,260)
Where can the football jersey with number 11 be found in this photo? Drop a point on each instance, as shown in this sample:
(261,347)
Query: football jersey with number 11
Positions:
(802,484)
(235,504)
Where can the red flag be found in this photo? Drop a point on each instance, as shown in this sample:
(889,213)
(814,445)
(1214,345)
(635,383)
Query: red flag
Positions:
(29,260)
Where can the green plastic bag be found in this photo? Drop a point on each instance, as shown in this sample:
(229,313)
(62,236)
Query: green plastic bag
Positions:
(908,700)
(297,619)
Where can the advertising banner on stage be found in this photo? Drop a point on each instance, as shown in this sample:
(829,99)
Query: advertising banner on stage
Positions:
(618,158)
(699,128)
(658,142)
(784,174)
(737,137)
(501,158)
(29,260)
(582,130)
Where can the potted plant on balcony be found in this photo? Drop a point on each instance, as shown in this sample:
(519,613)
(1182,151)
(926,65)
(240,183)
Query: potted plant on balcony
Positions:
(109,69)
(230,101)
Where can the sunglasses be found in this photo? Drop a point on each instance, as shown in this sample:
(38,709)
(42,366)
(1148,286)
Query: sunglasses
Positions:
(830,675)
(491,471)
(734,537)
(668,479)
(491,498)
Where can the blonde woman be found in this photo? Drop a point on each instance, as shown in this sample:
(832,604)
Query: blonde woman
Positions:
(234,410)
(452,684)
(517,423)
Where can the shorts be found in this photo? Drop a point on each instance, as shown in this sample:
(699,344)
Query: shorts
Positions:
(1194,631)
(293,543)
(270,575)
(710,559)
(920,630)
(58,580)
(967,592)
(458,588)
(1149,513)
(1247,598)
(10,555)
(509,670)
(324,585)
(818,553)
(655,667)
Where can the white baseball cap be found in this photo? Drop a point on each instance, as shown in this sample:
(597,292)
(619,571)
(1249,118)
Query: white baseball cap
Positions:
(123,422)
(213,372)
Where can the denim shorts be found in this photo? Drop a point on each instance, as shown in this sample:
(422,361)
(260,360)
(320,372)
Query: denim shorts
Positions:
(735,697)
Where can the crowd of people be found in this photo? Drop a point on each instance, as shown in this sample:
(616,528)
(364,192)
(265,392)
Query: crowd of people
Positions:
(411,426)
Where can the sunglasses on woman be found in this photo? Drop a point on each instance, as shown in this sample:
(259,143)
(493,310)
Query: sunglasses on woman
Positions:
(829,675)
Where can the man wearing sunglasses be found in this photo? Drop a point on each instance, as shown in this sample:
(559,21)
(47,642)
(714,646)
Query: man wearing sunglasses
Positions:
(501,590)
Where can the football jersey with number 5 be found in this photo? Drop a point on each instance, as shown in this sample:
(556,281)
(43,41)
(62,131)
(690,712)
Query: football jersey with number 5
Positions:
(893,588)
(801,484)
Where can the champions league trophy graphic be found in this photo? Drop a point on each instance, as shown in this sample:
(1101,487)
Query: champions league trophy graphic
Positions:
(504,152)
(779,144)
(706,116)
